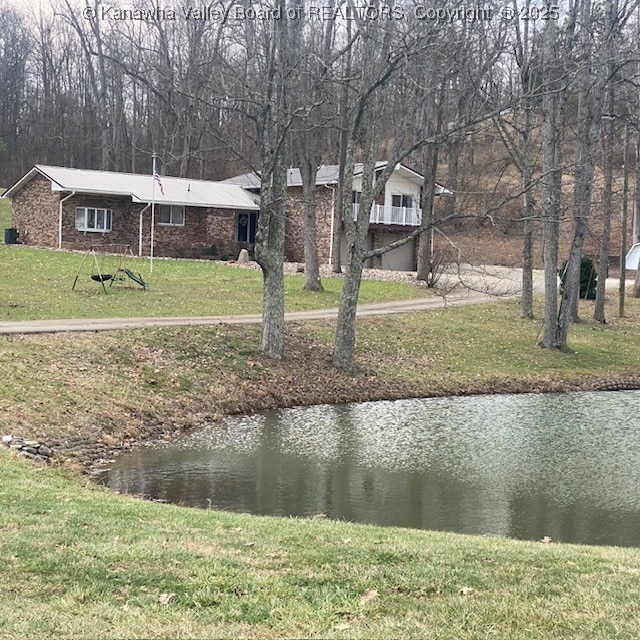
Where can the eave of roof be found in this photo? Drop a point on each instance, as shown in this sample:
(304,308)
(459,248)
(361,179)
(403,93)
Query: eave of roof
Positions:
(26,178)
(328,175)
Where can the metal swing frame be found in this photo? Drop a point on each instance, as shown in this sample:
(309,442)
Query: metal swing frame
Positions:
(99,275)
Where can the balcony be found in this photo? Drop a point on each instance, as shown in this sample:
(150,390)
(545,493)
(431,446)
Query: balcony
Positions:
(399,216)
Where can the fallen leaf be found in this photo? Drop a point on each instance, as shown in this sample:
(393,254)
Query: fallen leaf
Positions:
(372,594)
(342,626)
(165,598)
(250,544)
(466,591)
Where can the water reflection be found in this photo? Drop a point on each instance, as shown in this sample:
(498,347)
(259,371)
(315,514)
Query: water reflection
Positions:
(525,466)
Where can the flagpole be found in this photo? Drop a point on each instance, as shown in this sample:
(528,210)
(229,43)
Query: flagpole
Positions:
(153,210)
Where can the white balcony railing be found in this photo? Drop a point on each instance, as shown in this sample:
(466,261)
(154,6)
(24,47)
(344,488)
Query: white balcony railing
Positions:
(381,214)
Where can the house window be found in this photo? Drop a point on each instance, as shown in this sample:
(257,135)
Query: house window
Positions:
(246,225)
(400,200)
(171,214)
(92,219)
(355,197)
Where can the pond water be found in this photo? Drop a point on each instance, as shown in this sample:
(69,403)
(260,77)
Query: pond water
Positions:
(523,466)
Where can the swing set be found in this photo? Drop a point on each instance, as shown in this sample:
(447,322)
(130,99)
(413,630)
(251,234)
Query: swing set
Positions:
(108,264)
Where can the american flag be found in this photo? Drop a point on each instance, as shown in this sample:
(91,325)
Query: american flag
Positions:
(156,177)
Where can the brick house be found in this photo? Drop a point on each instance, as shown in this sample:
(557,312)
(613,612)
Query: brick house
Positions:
(396,212)
(76,208)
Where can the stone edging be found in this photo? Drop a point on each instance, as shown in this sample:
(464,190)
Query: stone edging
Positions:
(627,383)
(31,449)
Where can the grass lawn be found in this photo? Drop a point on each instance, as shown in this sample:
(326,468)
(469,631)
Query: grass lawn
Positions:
(36,285)
(79,562)
(490,341)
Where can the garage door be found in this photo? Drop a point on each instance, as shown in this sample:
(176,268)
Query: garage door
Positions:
(343,249)
(400,259)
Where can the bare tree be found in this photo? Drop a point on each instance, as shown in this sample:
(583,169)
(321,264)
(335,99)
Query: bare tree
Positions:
(274,121)
(608,139)
(95,59)
(310,130)
(552,160)
(526,85)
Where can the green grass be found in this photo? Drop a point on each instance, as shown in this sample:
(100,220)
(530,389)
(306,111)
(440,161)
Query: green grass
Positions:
(79,562)
(489,340)
(36,284)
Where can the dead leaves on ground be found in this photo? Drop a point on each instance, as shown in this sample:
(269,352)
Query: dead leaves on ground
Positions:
(370,595)
(166,598)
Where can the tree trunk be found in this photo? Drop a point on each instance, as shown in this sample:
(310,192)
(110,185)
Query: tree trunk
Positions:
(453,151)
(593,77)
(551,190)
(345,343)
(345,118)
(356,233)
(270,235)
(526,304)
(603,262)
(636,206)
(309,170)
(269,251)
(425,256)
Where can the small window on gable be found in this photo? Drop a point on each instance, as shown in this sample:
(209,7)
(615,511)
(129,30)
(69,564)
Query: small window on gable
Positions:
(93,219)
(170,214)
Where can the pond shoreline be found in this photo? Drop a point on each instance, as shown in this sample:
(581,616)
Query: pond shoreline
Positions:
(93,454)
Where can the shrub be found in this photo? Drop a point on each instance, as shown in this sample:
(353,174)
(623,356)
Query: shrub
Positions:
(588,278)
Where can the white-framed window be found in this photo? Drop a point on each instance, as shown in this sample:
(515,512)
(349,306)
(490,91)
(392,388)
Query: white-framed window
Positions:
(401,200)
(93,219)
(170,214)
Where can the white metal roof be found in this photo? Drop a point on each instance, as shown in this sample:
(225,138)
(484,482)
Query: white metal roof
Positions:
(328,174)
(140,188)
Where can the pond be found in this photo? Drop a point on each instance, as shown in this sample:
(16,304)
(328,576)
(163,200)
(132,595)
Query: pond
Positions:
(523,466)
